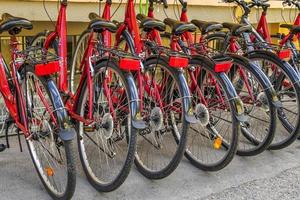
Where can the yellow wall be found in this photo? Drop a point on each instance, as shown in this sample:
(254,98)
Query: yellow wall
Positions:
(78,11)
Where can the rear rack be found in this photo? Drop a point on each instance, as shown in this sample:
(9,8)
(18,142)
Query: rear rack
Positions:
(38,55)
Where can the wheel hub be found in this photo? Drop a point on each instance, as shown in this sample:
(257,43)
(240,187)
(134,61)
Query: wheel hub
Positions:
(107,125)
(156,119)
(202,114)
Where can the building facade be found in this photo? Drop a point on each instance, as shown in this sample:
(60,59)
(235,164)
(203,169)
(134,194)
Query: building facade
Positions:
(43,15)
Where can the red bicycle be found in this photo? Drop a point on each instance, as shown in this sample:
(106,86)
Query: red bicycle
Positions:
(105,105)
(165,99)
(273,60)
(213,140)
(36,108)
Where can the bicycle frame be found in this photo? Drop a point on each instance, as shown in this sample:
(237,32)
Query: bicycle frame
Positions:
(60,33)
(130,23)
(262,27)
(130,30)
(189,39)
(15,103)
(288,36)
(262,33)
(107,15)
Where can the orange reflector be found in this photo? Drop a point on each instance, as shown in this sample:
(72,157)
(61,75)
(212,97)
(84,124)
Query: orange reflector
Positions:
(49,171)
(47,68)
(218,143)
(285,54)
(223,66)
(178,62)
(88,129)
(129,64)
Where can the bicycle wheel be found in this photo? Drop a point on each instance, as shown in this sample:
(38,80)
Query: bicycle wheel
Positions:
(213,141)
(78,58)
(288,90)
(287,87)
(54,159)
(4,115)
(254,89)
(106,146)
(161,145)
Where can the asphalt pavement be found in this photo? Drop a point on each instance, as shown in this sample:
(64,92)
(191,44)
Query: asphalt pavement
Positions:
(270,175)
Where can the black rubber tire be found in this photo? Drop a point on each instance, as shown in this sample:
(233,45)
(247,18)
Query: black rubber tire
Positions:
(259,146)
(207,65)
(173,164)
(296,85)
(69,149)
(275,59)
(84,34)
(123,174)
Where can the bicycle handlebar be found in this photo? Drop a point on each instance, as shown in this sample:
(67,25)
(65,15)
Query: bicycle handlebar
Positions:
(290,3)
(248,5)
(183,3)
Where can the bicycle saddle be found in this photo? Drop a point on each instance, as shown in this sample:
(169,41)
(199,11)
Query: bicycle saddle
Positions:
(99,24)
(237,29)
(14,25)
(294,29)
(148,23)
(206,27)
(178,28)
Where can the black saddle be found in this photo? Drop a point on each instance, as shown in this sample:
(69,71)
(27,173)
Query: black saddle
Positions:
(294,29)
(237,29)
(99,24)
(178,28)
(148,23)
(206,27)
(14,25)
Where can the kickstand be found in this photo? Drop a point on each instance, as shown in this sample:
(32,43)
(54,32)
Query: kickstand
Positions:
(19,138)
(8,122)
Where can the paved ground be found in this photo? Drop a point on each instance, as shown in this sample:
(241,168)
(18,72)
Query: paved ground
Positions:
(271,175)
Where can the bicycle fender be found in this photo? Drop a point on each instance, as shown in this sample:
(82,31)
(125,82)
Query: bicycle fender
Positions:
(233,98)
(286,67)
(289,68)
(136,115)
(188,108)
(66,133)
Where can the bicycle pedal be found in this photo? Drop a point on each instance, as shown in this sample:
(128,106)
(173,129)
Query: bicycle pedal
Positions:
(2,147)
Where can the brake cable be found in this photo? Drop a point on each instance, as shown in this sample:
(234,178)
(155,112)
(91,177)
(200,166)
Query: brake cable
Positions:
(174,11)
(178,11)
(100,7)
(290,13)
(164,9)
(121,1)
(282,16)
(45,9)
(257,14)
